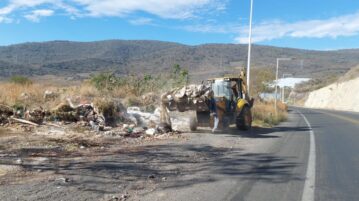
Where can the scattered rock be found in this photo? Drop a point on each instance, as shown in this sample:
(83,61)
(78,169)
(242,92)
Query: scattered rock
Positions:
(164,128)
(124,196)
(37,115)
(151,131)
(63,179)
(151,176)
(19,161)
(116,133)
(138,130)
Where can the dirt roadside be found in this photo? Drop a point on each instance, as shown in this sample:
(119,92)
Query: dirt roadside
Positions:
(36,167)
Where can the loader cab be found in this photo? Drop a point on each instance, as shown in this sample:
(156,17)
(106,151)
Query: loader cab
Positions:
(228,88)
(227,91)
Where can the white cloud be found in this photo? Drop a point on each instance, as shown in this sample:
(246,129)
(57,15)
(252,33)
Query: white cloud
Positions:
(141,21)
(37,14)
(213,28)
(5,20)
(179,9)
(345,25)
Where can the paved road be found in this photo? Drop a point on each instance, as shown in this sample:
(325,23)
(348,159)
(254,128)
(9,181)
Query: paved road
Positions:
(312,156)
(336,166)
(278,169)
(337,154)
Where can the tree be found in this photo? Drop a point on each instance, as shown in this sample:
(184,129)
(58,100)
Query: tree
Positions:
(261,80)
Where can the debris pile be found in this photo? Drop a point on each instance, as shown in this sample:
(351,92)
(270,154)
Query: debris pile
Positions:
(191,97)
(108,118)
(84,113)
(37,115)
(5,113)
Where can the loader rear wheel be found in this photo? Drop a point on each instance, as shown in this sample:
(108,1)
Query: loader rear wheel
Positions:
(244,120)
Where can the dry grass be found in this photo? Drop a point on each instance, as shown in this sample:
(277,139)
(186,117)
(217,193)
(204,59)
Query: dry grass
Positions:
(32,95)
(264,113)
(351,74)
(12,94)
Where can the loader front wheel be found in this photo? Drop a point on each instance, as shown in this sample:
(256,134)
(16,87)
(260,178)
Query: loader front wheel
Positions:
(244,119)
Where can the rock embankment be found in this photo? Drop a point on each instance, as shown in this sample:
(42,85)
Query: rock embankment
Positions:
(337,96)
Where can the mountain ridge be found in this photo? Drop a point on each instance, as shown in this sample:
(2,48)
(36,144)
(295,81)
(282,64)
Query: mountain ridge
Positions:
(67,58)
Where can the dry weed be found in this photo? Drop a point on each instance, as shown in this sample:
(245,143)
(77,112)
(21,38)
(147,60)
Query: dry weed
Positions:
(264,112)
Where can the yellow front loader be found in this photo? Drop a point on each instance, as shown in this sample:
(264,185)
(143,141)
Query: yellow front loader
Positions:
(218,104)
(227,104)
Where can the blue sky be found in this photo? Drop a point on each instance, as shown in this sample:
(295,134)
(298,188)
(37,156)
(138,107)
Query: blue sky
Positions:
(307,24)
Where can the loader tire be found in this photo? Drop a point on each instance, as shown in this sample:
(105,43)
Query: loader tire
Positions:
(244,120)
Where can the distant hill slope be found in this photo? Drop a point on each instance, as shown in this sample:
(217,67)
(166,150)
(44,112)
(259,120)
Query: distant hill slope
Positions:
(67,58)
(341,95)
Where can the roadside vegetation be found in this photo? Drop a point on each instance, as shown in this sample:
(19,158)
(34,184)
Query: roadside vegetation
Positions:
(264,111)
(133,90)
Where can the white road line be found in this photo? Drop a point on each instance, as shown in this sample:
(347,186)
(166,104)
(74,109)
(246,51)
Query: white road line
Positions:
(309,185)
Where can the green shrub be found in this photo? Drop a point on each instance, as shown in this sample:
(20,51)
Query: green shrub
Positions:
(179,75)
(138,85)
(105,81)
(17,79)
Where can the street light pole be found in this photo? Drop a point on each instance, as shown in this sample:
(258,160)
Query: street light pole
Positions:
(283,76)
(249,48)
(276,83)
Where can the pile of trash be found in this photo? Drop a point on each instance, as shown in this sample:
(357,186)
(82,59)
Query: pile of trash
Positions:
(84,113)
(5,113)
(109,118)
(191,97)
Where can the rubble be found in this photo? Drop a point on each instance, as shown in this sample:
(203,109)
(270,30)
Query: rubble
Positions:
(37,116)
(164,128)
(5,113)
(107,118)
(81,113)
(151,131)
(143,119)
(191,97)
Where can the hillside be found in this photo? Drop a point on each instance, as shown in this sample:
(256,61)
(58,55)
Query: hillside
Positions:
(341,95)
(67,58)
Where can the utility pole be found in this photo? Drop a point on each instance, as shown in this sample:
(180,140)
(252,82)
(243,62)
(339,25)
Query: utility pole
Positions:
(276,83)
(283,87)
(249,48)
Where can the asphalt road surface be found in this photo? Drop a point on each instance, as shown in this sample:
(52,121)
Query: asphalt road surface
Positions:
(337,154)
(313,156)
